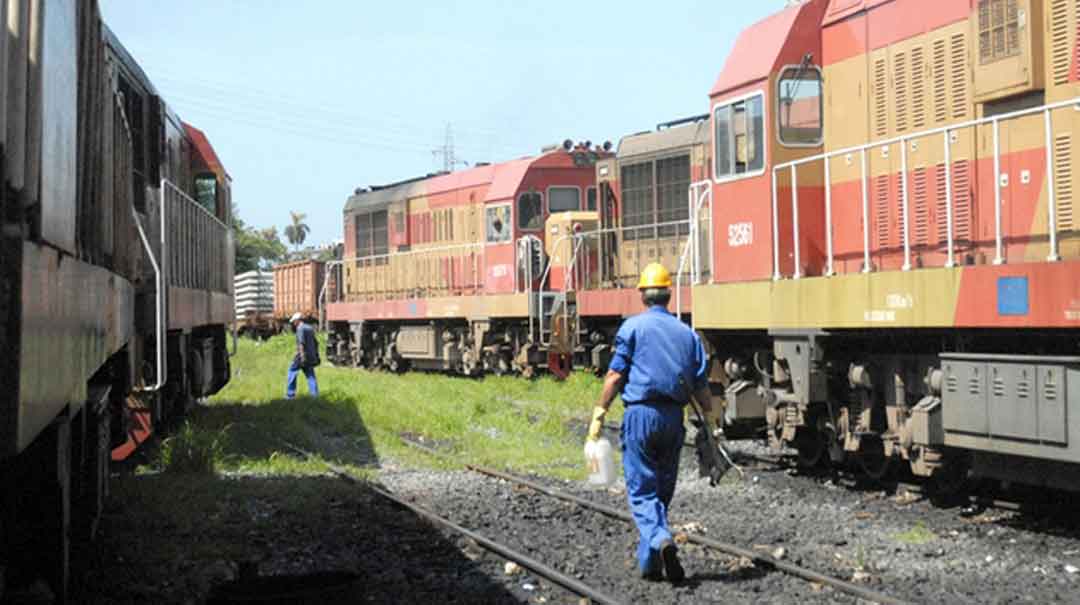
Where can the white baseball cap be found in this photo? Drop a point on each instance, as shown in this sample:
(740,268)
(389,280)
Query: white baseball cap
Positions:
(295,318)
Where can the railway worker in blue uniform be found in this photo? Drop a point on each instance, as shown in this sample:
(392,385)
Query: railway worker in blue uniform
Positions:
(659,363)
(306,358)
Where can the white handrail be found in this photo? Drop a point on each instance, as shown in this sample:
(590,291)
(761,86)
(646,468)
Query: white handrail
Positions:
(159,323)
(999,258)
(927,133)
(322,291)
(950,234)
(903,140)
(1053,256)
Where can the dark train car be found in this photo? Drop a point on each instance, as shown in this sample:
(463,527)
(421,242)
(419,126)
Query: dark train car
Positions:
(111,277)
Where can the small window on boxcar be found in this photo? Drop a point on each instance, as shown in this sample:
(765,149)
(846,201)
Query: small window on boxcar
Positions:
(739,137)
(206,192)
(498,224)
(564,199)
(799,106)
(530,211)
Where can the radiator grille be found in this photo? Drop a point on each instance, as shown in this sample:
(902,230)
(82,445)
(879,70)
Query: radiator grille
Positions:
(958,68)
(900,90)
(921,210)
(1063,182)
(881,107)
(940,77)
(1060,38)
(918,88)
(881,210)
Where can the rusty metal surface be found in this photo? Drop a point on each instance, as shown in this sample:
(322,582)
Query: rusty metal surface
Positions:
(59,100)
(190,308)
(75,316)
(296,288)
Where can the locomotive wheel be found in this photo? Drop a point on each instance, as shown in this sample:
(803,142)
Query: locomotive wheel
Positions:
(872,459)
(812,447)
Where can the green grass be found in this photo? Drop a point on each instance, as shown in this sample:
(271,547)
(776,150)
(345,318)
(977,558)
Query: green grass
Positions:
(917,535)
(193,450)
(527,425)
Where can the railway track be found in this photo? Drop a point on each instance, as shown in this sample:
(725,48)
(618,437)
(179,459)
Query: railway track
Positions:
(758,558)
(541,569)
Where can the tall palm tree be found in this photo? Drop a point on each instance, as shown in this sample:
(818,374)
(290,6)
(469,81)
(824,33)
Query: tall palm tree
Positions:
(297,232)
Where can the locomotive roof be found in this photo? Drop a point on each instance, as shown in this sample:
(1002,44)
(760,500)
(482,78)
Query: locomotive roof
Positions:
(757,49)
(504,179)
(645,143)
(206,150)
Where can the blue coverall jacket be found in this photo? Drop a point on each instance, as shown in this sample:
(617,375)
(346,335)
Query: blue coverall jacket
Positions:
(663,361)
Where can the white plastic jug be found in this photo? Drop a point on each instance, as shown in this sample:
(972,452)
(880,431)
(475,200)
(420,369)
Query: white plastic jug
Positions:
(600,461)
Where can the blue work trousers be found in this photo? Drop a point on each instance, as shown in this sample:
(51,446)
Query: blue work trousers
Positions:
(294,371)
(652,439)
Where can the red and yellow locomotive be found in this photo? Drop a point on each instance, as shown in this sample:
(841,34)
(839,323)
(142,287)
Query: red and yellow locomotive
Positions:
(446,272)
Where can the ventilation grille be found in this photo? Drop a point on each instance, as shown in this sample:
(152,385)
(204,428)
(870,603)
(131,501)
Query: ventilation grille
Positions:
(921,209)
(958,67)
(900,89)
(918,89)
(881,210)
(881,108)
(961,200)
(1063,182)
(1059,41)
(941,111)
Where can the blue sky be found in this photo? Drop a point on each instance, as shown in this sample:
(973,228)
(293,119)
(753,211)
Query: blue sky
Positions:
(305,101)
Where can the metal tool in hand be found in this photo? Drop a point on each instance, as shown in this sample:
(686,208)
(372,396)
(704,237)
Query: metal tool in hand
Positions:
(713,458)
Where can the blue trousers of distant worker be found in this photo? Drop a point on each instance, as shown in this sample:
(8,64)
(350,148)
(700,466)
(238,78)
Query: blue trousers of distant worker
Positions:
(652,439)
(294,372)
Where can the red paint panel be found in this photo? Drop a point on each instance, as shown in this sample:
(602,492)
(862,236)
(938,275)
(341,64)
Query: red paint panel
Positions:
(1053,296)
(622,302)
(742,219)
(499,269)
(875,24)
(844,40)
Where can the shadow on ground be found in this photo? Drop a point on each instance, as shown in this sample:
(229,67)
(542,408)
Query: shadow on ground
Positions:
(169,537)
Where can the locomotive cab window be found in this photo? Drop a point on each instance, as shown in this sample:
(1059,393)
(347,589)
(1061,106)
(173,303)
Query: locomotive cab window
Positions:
(206,192)
(799,106)
(530,211)
(590,199)
(498,228)
(739,138)
(563,199)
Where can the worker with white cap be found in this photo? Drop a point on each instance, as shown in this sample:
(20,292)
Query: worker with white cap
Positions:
(306,358)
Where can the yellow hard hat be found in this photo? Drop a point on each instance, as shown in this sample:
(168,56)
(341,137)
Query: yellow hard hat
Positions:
(654,276)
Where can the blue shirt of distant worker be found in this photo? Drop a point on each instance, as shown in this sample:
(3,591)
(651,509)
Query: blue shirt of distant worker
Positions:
(658,364)
(306,358)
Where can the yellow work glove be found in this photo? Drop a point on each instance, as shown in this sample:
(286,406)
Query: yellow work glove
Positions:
(597,424)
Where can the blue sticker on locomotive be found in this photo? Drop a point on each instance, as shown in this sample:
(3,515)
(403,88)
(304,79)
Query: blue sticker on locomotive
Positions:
(1012,295)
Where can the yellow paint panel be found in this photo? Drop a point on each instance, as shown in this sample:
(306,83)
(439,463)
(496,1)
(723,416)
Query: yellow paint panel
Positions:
(911,299)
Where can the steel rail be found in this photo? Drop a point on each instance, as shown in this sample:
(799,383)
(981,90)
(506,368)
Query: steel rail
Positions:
(731,549)
(537,567)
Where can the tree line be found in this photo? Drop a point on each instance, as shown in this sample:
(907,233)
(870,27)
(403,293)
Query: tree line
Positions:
(262,248)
